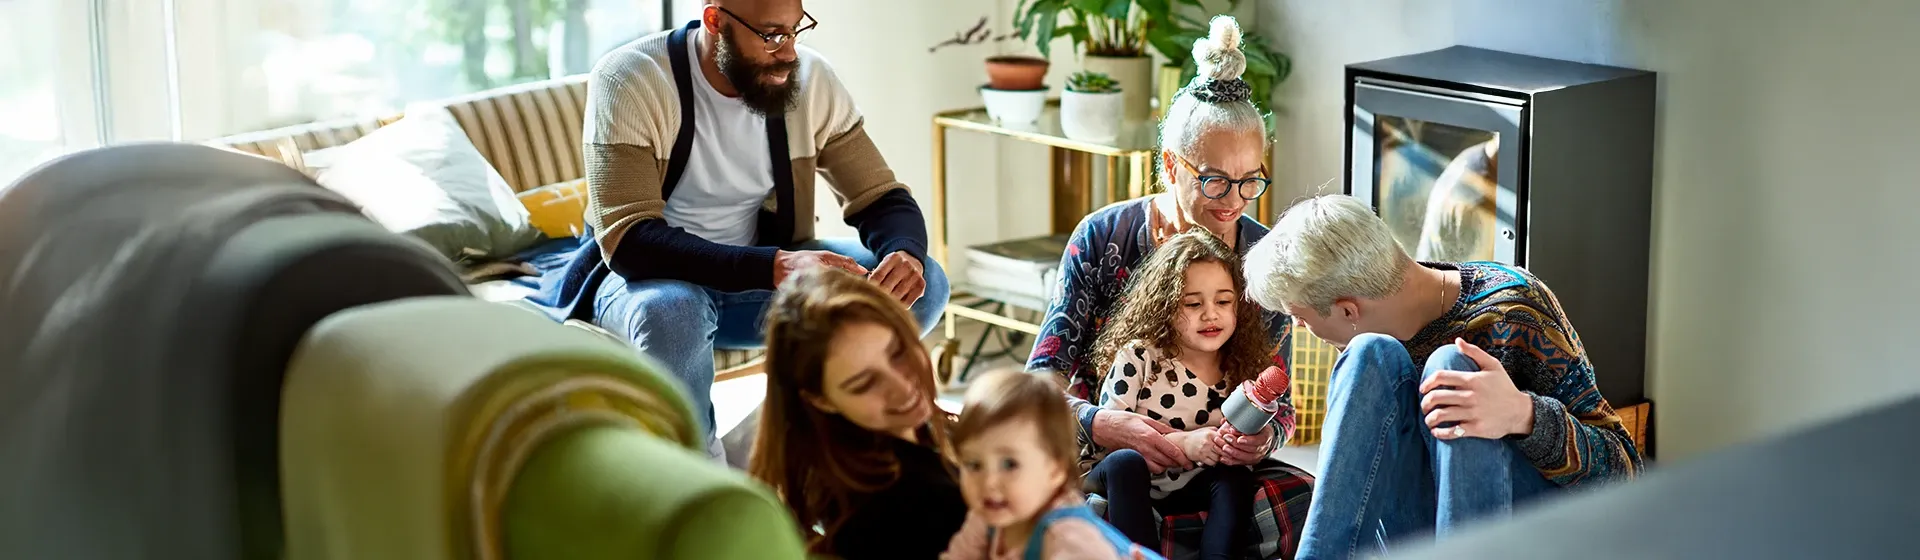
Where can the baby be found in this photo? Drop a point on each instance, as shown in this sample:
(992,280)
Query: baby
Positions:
(1016,450)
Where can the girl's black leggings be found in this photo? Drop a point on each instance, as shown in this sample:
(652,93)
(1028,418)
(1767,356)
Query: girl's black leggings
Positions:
(1224,492)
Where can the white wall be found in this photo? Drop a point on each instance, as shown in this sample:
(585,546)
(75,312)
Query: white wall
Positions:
(1784,209)
(879,49)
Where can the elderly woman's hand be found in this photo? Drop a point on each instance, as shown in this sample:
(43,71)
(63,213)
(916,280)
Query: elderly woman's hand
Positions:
(1119,429)
(1242,449)
(1164,219)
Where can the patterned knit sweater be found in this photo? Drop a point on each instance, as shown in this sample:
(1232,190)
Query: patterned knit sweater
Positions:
(1577,438)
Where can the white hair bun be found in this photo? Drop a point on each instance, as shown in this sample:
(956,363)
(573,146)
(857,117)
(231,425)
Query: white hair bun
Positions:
(1218,56)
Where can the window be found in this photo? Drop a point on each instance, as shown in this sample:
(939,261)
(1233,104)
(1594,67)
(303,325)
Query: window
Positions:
(267,63)
(31,104)
(75,74)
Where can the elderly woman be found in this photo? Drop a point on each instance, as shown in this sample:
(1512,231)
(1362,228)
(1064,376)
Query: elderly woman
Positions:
(1213,145)
(1462,390)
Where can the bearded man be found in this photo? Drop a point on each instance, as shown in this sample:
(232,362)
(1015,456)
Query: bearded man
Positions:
(702,144)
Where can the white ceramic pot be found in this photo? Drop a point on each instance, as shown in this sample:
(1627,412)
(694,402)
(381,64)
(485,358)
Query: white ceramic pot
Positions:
(1014,106)
(1091,117)
(1135,75)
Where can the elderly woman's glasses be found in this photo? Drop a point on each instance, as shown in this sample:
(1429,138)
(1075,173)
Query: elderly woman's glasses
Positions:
(1217,186)
(775,40)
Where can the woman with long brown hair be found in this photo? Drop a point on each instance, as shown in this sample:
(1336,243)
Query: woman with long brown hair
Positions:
(850,437)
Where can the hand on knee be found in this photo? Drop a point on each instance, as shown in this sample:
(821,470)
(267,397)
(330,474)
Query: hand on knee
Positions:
(1448,358)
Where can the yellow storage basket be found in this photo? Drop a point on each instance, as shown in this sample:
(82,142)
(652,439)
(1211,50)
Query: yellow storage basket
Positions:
(1312,366)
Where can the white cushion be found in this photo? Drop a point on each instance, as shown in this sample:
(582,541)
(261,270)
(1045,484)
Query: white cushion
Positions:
(421,176)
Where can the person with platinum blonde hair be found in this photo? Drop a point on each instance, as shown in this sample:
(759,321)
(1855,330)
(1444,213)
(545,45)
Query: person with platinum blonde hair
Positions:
(1462,392)
(1212,157)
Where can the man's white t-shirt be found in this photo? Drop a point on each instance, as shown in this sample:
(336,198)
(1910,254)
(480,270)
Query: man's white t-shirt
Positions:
(728,172)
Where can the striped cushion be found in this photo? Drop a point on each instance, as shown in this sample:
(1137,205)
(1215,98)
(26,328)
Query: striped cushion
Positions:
(530,132)
(306,137)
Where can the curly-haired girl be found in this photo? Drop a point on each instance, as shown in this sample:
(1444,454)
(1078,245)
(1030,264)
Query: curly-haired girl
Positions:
(1173,353)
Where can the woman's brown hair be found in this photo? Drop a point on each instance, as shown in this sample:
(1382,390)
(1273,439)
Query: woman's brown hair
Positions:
(1152,302)
(818,463)
(1009,395)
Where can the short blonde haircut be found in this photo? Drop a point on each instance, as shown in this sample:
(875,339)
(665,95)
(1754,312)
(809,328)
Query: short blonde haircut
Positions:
(1323,249)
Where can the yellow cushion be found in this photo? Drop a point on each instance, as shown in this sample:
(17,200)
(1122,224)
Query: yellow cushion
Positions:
(559,209)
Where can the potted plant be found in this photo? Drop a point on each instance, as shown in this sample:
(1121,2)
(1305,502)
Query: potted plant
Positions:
(1016,90)
(1173,34)
(1111,35)
(1091,109)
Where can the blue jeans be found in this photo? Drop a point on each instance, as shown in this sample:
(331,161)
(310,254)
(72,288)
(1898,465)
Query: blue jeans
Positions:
(1384,477)
(680,324)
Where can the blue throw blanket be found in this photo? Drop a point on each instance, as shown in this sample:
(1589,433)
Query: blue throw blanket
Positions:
(549,258)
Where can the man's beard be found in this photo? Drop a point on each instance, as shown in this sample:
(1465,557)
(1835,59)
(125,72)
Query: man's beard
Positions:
(745,76)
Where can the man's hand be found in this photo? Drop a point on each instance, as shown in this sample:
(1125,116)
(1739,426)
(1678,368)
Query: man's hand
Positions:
(789,262)
(1119,429)
(1164,219)
(1239,449)
(903,276)
(1484,403)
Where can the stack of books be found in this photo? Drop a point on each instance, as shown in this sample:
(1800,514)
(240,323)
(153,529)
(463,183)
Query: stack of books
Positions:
(1020,272)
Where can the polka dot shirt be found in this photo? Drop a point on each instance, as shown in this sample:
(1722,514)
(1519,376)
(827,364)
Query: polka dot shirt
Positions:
(1146,381)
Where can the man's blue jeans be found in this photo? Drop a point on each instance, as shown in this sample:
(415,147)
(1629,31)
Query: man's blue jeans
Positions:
(1384,477)
(680,324)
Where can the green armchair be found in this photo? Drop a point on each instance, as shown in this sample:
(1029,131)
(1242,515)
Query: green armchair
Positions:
(446,427)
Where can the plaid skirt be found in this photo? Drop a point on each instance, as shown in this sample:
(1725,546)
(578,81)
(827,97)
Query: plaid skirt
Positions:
(1279,515)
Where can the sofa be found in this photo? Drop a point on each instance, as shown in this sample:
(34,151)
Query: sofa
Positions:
(529,133)
(206,354)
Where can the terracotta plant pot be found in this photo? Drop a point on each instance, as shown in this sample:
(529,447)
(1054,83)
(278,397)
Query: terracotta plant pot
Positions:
(1016,73)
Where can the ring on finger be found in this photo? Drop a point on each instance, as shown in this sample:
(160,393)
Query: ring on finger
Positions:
(1458,432)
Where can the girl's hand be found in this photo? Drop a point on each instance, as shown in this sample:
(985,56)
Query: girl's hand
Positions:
(1199,446)
(1189,450)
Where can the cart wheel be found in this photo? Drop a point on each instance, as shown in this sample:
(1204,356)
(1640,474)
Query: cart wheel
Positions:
(943,362)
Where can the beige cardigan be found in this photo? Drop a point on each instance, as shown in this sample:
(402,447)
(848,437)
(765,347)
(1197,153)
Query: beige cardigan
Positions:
(633,118)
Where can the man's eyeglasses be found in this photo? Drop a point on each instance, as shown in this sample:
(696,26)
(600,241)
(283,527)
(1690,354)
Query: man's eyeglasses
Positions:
(1217,186)
(774,41)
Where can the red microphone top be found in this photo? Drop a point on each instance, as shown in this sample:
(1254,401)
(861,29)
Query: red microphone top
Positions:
(1270,385)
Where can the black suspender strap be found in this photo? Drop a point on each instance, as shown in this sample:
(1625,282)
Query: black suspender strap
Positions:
(784,212)
(779,230)
(683,81)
